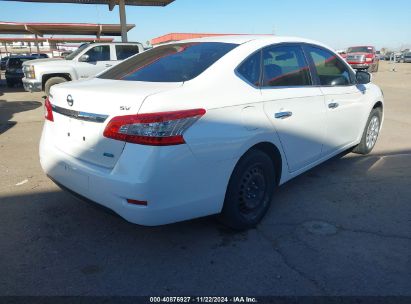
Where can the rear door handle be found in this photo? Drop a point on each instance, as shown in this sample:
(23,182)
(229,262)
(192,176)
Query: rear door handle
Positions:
(108,65)
(282,115)
(333,105)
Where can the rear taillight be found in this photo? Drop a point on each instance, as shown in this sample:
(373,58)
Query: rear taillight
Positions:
(48,110)
(154,129)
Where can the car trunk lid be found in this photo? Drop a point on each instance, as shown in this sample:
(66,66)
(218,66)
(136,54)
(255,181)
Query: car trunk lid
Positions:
(82,109)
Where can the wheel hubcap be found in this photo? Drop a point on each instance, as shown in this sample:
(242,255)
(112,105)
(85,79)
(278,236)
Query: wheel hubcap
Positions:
(372,132)
(252,194)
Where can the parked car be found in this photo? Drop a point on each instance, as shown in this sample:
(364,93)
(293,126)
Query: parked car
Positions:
(65,53)
(389,55)
(87,61)
(3,62)
(40,55)
(363,58)
(399,57)
(206,126)
(342,53)
(14,71)
(407,57)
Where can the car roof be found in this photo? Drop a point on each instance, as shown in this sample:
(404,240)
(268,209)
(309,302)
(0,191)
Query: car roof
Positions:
(240,39)
(263,39)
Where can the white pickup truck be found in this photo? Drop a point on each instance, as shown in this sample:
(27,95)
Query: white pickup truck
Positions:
(85,62)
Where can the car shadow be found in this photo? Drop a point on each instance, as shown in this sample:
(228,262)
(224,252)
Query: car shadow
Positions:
(52,234)
(9,108)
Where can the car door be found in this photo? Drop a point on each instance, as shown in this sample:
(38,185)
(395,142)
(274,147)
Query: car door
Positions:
(294,106)
(99,59)
(344,100)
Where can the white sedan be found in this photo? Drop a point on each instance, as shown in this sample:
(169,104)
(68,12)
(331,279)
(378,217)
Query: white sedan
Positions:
(206,126)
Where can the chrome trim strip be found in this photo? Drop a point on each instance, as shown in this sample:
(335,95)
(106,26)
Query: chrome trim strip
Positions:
(92,117)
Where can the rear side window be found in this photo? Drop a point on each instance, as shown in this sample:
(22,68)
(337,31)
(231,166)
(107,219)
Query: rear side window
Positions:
(285,66)
(125,51)
(170,63)
(331,70)
(250,69)
(99,53)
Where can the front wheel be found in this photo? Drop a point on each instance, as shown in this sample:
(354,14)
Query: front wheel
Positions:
(371,132)
(51,82)
(249,191)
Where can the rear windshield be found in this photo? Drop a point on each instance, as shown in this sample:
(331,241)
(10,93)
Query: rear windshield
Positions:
(360,49)
(170,63)
(17,62)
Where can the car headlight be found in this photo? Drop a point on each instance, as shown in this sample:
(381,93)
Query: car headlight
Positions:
(28,71)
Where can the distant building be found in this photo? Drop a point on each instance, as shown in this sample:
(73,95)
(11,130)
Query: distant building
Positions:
(171,37)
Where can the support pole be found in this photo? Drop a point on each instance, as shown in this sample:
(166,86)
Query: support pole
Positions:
(30,47)
(123,21)
(5,45)
(37,44)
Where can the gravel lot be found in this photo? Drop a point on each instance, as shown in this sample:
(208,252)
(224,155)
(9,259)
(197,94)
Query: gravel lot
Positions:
(343,228)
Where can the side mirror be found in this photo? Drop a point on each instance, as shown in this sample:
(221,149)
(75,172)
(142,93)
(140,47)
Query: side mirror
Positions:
(84,58)
(363,77)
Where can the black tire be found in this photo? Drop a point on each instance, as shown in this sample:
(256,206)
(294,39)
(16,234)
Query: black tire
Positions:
(51,82)
(249,191)
(370,69)
(376,67)
(364,146)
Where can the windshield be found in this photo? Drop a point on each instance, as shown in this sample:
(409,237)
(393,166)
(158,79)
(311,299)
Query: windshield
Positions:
(76,52)
(360,49)
(170,63)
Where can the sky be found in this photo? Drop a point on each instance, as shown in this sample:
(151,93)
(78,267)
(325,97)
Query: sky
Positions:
(337,23)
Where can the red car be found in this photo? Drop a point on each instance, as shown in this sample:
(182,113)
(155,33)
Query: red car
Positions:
(363,58)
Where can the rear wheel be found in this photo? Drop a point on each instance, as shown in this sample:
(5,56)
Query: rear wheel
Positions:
(51,82)
(249,191)
(371,132)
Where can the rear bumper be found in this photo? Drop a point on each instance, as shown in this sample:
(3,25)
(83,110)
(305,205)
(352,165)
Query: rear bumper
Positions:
(360,65)
(31,85)
(175,184)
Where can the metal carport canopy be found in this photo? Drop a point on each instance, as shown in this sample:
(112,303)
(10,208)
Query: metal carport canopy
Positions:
(111,4)
(41,29)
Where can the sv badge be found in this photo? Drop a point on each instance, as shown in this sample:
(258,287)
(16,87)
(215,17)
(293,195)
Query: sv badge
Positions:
(124,108)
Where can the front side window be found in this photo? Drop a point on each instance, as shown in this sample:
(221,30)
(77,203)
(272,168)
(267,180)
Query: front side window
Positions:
(250,69)
(285,66)
(170,63)
(99,53)
(125,51)
(330,69)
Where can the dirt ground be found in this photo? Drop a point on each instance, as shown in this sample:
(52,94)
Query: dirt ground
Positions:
(343,228)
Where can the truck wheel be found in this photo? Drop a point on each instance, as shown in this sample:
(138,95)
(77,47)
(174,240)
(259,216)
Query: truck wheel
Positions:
(249,191)
(371,132)
(376,67)
(51,82)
